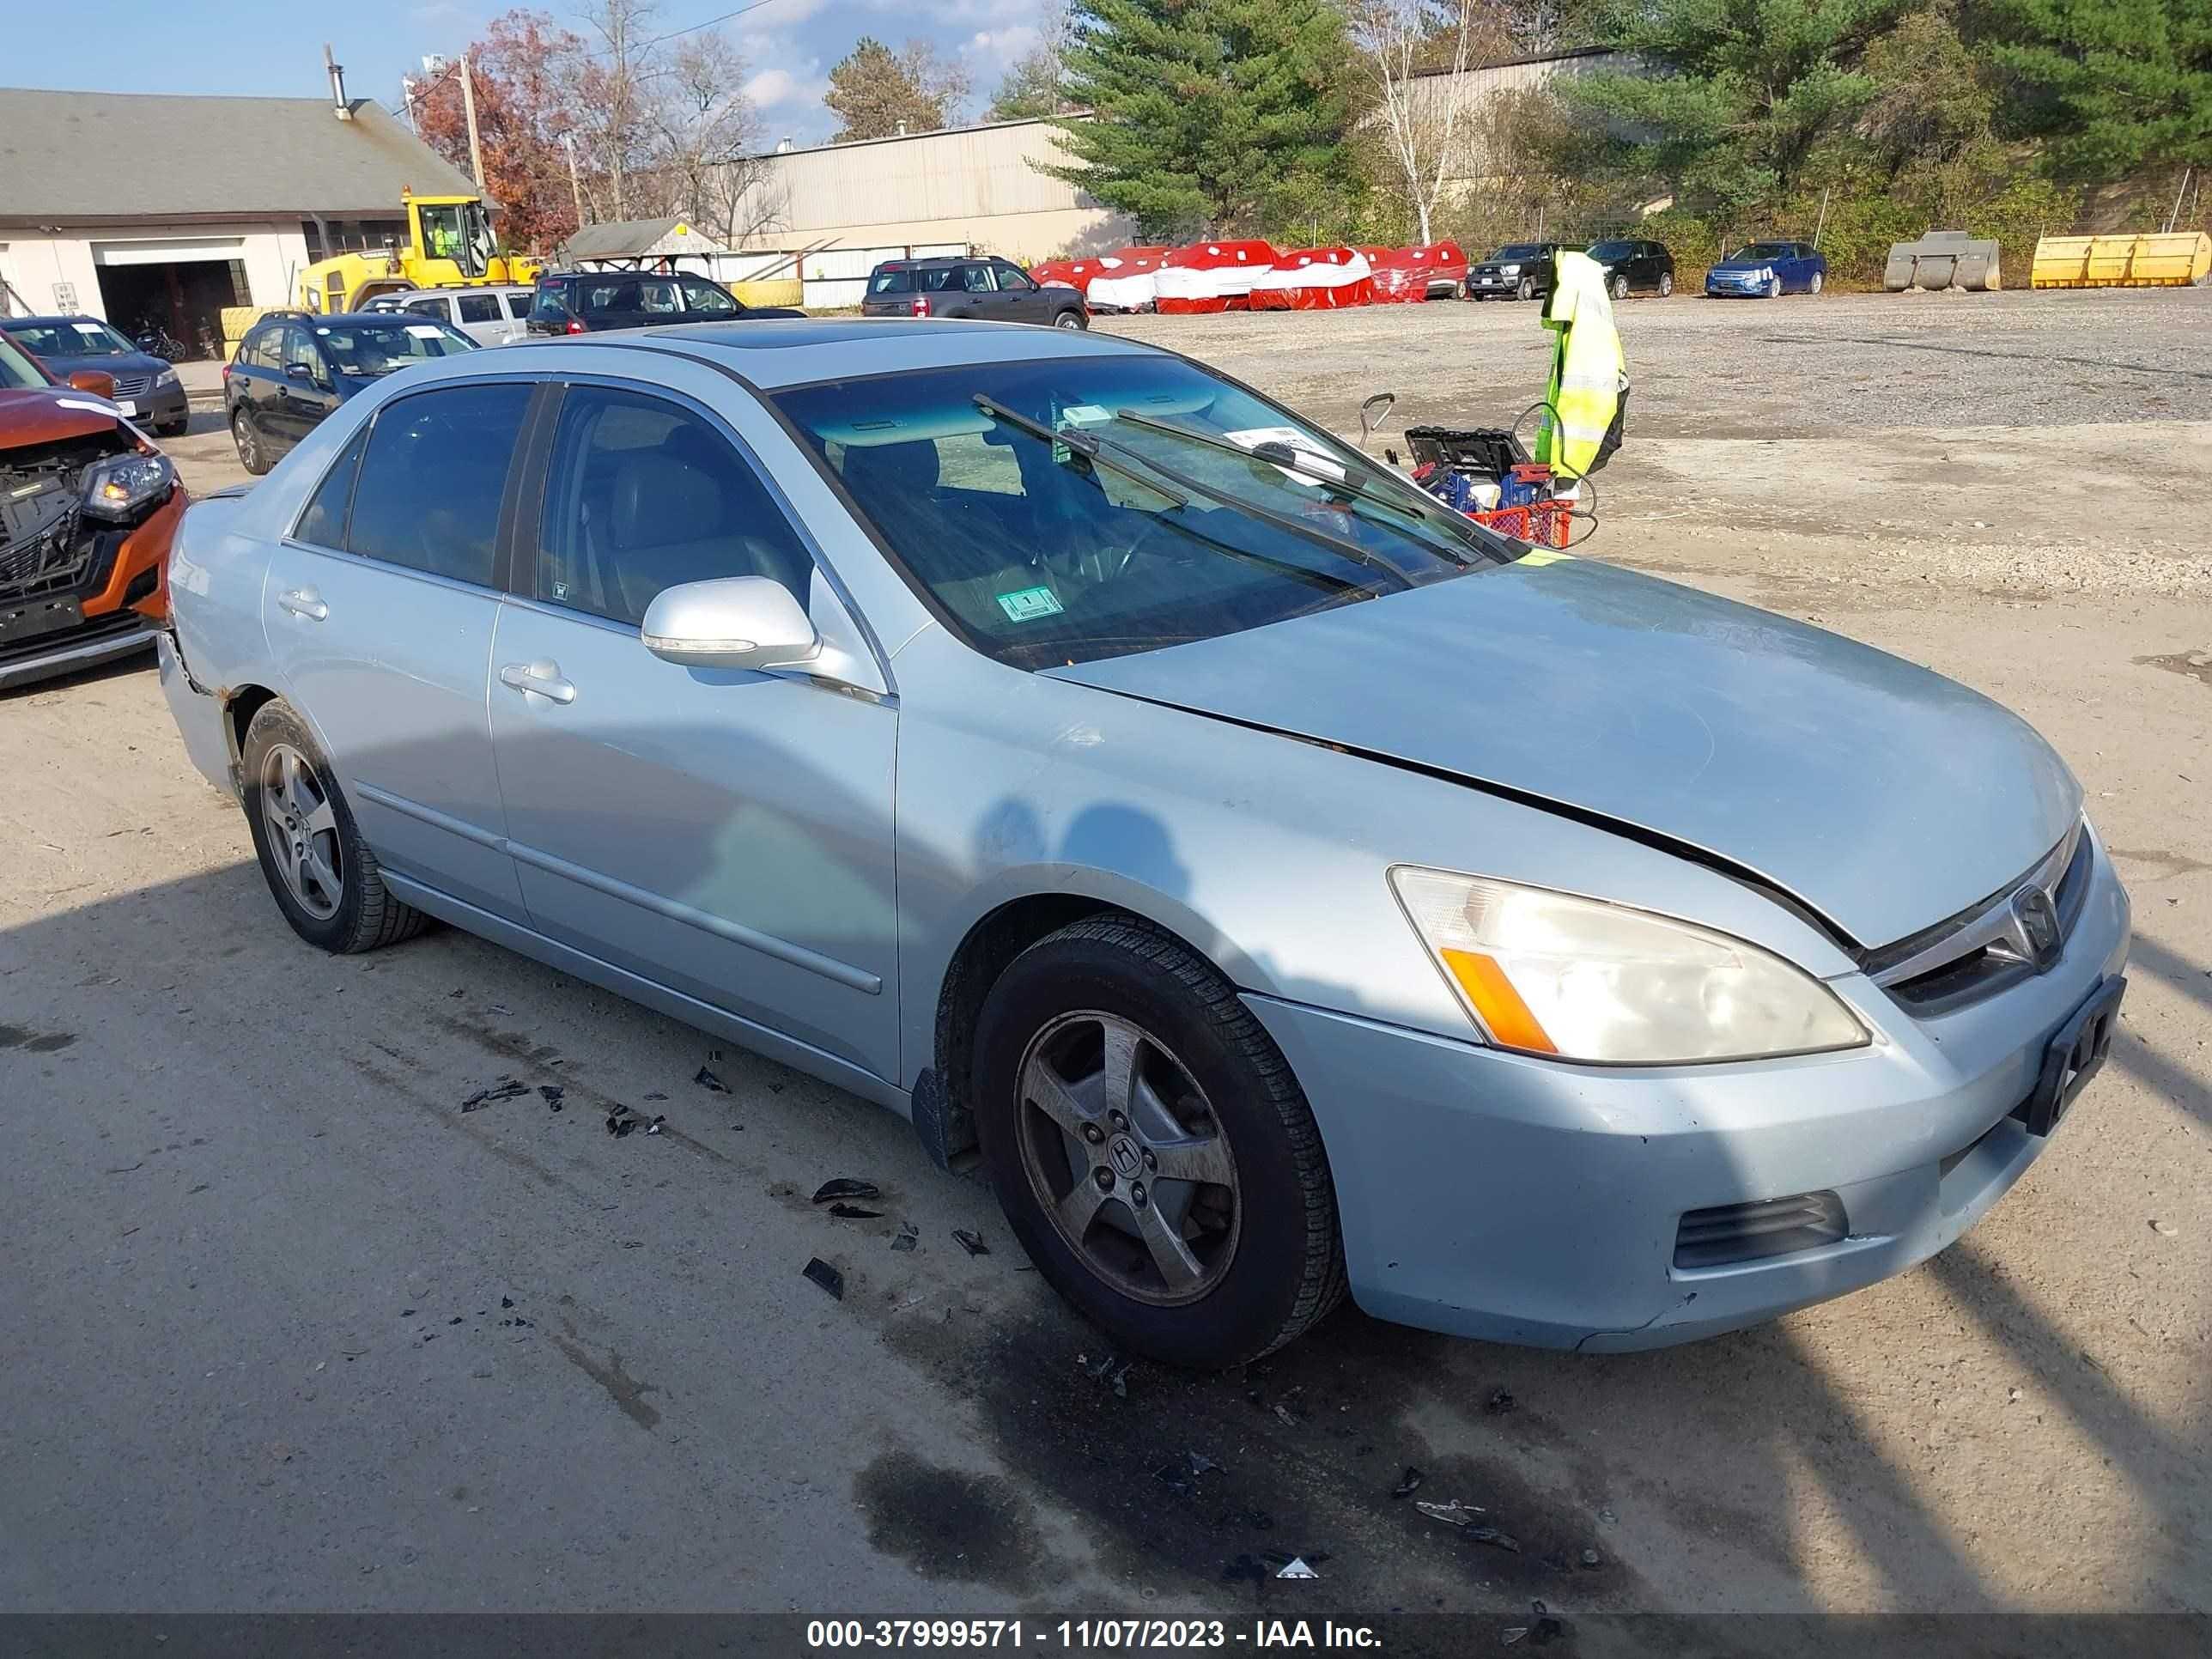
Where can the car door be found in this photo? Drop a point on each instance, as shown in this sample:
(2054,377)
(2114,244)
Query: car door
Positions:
(611,303)
(478,316)
(978,295)
(1798,273)
(379,610)
(723,833)
(305,391)
(1021,301)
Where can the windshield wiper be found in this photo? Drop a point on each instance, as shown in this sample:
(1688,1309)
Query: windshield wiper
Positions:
(1093,447)
(1290,458)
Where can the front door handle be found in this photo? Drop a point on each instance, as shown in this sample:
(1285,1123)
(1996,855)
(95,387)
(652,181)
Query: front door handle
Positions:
(541,676)
(304,602)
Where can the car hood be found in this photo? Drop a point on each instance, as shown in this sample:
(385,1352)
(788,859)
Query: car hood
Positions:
(1881,796)
(1742,267)
(118,363)
(45,415)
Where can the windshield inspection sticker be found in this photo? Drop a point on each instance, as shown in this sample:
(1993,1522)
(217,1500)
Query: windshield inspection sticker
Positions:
(1028,604)
(86,328)
(1322,461)
(1084,415)
(426,330)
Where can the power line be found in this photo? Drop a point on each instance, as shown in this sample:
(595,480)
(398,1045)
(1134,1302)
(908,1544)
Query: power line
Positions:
(695,27)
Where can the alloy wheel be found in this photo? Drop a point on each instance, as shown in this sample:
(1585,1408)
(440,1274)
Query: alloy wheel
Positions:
(302,830)
(1125,1154)
(249,445)
(1067,319)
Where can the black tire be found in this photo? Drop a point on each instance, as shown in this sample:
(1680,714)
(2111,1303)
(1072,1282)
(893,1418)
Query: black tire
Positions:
(1286,1270)
(1527,289)
(173,428)
(1774,288)
(1620,287)
(1666,284)
(252,453)
(1071,318)
(367,916)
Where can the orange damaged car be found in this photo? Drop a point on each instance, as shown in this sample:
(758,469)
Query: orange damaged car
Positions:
(87,505)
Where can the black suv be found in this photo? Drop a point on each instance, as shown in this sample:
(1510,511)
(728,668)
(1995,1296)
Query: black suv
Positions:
(1524,270)
(996,290)
(586,301)
(1633,263)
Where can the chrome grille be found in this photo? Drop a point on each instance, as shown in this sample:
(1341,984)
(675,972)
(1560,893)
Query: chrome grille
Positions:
(132,385)
(1994,943)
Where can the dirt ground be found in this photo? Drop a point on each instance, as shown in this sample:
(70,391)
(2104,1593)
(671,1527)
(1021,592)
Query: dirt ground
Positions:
(297,1333)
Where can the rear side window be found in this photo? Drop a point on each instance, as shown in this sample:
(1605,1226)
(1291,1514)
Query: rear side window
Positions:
(324,522)
(432,477)
(479,307)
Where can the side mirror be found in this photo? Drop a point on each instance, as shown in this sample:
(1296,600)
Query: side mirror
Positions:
(1373,412)
(300,371)
(97,381)
(731,622)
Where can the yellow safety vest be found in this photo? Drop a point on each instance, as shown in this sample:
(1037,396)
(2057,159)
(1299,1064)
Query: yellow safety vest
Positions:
(1588,366)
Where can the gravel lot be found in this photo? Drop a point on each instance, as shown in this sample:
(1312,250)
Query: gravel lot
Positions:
(263,1255)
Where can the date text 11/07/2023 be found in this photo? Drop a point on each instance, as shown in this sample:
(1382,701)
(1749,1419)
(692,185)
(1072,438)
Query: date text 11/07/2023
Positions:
(1122,1634)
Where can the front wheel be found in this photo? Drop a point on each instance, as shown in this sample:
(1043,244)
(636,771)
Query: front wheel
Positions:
(1527,289)
(1819,280)
(252,455)
(1774,288)
(321,873)
(1620,287)
(173,428)
(1069,320)
(1150,1148)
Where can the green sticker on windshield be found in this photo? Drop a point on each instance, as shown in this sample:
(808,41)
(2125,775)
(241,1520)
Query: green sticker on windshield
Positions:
(1029,603)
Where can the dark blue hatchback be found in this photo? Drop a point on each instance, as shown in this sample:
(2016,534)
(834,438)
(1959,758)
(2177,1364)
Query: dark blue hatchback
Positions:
(293,368)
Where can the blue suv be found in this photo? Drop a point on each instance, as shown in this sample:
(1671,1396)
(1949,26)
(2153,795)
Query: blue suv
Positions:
(293,368)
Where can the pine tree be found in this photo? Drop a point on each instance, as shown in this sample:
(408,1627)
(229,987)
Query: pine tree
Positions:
(2117,84)
(1206,115)
(877,92)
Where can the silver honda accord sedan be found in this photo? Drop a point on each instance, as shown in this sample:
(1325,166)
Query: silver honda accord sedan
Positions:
(1284,885)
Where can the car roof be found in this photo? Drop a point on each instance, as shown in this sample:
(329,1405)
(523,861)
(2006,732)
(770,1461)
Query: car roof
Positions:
(928,259)
(404,295)
(774,354)
(49,322)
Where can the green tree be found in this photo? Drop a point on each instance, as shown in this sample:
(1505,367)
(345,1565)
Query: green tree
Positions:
(2114,85)
(877,92)
(1033,86)
(1208,115)
(1736,94)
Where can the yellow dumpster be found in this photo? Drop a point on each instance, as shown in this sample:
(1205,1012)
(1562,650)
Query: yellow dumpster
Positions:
(2171,259)
(777,291)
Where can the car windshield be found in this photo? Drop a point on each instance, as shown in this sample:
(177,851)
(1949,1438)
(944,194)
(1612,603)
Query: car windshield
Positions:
(17,370)
(1067,510)
(1612,250)
(378,347)
(70,337)
(1761,251)
(1517,250)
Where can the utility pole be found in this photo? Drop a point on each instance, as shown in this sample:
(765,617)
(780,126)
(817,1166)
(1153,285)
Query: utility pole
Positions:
(576,190)
(469,108)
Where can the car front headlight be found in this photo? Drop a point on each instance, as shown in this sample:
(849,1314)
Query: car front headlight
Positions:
(166,377)
(1509,270)
(117,488)
(1547,972)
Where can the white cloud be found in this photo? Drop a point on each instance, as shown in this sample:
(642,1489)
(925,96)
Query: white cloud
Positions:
(998,49)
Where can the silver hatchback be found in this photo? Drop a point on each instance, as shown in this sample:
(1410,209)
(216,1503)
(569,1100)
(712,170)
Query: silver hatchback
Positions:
(1285,884)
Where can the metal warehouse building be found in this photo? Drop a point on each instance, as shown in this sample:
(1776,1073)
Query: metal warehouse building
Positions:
(133,206)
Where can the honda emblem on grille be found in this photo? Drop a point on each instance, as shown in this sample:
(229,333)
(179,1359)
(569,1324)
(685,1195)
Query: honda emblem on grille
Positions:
(2037,919)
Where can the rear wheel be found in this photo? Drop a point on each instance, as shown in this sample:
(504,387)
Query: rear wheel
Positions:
(1819,280)
(321,873)
(1070,318)
(1666,283)
(1150,1148)
(253,455)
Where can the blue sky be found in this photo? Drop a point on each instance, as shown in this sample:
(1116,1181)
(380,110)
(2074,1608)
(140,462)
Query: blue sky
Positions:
(275,47)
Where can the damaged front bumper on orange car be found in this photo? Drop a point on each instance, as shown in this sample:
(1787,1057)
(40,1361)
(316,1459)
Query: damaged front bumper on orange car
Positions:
(121,615)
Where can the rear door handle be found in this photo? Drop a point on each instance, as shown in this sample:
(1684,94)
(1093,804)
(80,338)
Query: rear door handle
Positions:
(542,677)
(304,602)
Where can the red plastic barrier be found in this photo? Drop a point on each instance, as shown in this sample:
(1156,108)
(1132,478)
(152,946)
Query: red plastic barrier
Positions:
(1209,277)
(1315,279)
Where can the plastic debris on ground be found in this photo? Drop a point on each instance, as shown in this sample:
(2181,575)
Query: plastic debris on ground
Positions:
(552,1092)
(1454,1514)
(1500,1402)
(1408,1484)
(854,1213)
(1111,1370)
(505,1088)
(971,1242)
(908,1237)
(846,1186)
(1543,1629)
(827,1277)
(624,1119)
(707,1080)
(1592,1558)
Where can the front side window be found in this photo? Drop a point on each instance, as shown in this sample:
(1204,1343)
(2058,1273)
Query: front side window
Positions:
(1102,506)
(707,300)
(429,495)
(297,349)
(1012,280)
(657,296)
(548,308)
(976,279)
(1519,251)
(1609,253)
(1761,251)
(643,494)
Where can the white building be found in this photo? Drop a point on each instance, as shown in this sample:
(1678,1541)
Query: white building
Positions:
(132,206)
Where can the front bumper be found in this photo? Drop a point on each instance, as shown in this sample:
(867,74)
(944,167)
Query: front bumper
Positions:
(115,619)
(1495,1195)
(1736,287)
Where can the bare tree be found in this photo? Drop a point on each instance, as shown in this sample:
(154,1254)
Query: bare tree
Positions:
(1035,84)
(1416,55)
(704,134)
